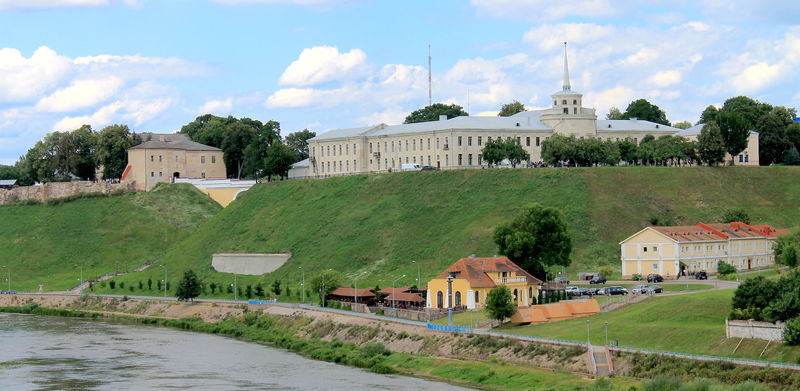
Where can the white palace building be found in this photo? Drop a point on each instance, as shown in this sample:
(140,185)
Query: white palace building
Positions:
(457,142)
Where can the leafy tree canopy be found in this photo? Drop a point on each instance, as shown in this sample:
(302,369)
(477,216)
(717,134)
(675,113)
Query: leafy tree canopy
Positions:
(710,145)
(614,113)
(113,142)
(735,131)
(682,125)
(736,215)
(326,282)
(510,109)
(298,141)
(708,115)
(279,160)
(189,287)
(644,110)
(432,113)
(535,239)
(499,305)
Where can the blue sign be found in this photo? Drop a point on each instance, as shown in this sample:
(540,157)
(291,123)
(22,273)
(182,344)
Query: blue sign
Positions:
(797,119)
(261,302)
(449,329)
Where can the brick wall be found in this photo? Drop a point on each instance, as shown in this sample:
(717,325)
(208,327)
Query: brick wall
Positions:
(51,190)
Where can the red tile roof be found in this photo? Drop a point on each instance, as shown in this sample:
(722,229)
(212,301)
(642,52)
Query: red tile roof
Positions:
(350,292)
(400,296)
(474,270)
(724,231)
(389,291)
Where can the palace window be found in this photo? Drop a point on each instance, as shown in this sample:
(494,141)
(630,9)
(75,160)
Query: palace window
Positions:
(159,158)
(213,159)
(563,102)
(537,141)
(469,159)
(480,142)
(469,141)
(527,141)
(459,141)
(460,159)
(574,101)
(566,110)
(202,159)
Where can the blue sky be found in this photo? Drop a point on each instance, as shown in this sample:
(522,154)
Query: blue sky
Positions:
(321,64)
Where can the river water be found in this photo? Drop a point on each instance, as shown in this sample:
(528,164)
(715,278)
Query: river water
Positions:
(51,353)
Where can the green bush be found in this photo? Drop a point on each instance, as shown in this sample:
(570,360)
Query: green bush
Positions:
(636,277)
(725,268)
(792,333)
(375,349)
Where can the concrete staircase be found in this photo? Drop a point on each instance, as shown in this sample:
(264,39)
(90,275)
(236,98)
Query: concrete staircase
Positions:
(601,361)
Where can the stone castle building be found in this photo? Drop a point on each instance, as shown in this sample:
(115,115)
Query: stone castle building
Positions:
(162,157)
(457,142)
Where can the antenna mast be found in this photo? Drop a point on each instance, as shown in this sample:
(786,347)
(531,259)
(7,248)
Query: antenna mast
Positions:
(430,100)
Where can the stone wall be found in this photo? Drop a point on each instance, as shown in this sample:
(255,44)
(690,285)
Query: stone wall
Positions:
(754,330)
(52,190)
(253,264)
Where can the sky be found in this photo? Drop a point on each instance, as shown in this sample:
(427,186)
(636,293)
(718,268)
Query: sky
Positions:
(155,65)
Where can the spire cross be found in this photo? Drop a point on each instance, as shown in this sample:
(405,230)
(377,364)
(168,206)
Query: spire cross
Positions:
(566,85)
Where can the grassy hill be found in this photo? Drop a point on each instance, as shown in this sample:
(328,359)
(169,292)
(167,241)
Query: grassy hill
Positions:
(692,323)
(41,244)
(379,224)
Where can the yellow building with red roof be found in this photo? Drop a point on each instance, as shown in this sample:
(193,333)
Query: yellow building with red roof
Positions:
(474,277)
(701,247)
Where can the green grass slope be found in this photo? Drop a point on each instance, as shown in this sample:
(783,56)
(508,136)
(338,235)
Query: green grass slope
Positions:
(692,323)
(379,224)
(42,244)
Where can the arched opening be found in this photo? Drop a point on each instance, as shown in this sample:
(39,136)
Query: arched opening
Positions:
(458,299)
(516,294)
(176,174)
(530,294)
(477,297)
(439,301)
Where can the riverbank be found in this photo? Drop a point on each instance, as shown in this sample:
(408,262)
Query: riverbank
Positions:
(478,361)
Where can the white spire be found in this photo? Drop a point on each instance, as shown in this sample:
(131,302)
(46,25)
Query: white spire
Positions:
(566,85)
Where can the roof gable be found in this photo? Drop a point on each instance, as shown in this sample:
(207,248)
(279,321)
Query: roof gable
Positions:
(475,270)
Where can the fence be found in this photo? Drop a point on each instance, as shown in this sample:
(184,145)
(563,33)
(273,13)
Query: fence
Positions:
(262,302)
(449,329)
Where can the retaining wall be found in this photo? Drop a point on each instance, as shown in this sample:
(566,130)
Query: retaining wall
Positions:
(51,190)
(755,330)
(253,264)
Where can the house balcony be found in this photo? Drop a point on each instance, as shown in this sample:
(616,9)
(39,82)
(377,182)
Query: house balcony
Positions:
(510,280)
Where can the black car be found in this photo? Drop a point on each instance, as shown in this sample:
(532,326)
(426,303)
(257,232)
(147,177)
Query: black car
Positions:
(429,168)
(598,279)
(616,290)
(654,278)
(701,276)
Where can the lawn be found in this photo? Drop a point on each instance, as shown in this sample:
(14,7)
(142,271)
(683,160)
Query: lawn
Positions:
(468,318)
(691,323)
(48,246)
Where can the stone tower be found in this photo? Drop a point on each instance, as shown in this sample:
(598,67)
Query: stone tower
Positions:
(568,116)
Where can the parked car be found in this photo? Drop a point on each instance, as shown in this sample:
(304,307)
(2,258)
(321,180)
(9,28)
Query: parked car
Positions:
(598,279)
(602,291)
(591,291)
(561,280)
(651,278)
(584,291)
(701,276)
(574,290)
(640,289)
(616,290)
(410,167)
(656,289)
(429,168)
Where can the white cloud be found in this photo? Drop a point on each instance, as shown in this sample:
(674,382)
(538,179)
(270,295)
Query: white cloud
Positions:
(757,76)
(666,78)
(617,96)
(538,10)
(22,79)
(392,115)
(216,106)
(32,4)
(80,94)
(322,64)
(142,103)
(549,37)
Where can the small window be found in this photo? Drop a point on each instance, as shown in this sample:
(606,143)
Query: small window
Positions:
(645,249)
(160,174)
(460,159)
(160,158)
(655,249)
(537,141)
(202,159)
(563,102)
(203,175)
(469,159)
(519,140)
(527,141)
(152,158)
(213,159)
(459,141)
(566,110)
(152,174)
(574,101)
(655,266)
(489,139)
(469,141)
(574,110)
(176,158)
(555,103)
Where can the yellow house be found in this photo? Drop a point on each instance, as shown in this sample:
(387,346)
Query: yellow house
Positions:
(473,278)
(701,247)
(163,157)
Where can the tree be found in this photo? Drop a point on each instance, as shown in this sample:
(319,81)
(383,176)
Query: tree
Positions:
(708,115)
(644,110)
(493,152)
(790,256)
(510,109)
(234,142)
(9,172)
(188,287)
(773,143)
(793,157)
(149,284)
(515,153)
(724,268)
(792,333)
(326,282)
(298,141)
(710,145)
(213,287)
(736,215)
(113,142)
(499,305)
(628,151)
(559,148)
(750,110)
(279,160)
(614,113)
(259,290)
(605,271)
(682,125)
(432,113)
(276,287)
(535,239)
(735,132)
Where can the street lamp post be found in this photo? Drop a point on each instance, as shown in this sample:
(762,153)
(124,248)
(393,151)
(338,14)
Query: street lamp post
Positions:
(303,284)
(165,280)
(606,324)
(8,276)
(394,293)
(588,341)
(355,279)
(81,267)
(324,293)
(450,277)
(418,279)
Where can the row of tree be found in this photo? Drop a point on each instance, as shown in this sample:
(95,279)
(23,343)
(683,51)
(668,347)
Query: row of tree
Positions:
(495,151)
(251,149)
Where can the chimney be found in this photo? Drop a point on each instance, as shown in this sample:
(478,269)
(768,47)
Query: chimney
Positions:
(443,117)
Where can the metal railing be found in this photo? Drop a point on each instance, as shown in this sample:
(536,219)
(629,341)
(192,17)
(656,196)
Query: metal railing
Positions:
(508,280)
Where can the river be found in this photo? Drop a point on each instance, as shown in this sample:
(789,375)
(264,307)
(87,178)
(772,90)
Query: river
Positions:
(52,353)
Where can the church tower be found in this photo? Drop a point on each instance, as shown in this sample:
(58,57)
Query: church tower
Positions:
(567,115)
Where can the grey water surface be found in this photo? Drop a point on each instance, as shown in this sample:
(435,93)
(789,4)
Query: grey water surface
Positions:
(52,353)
